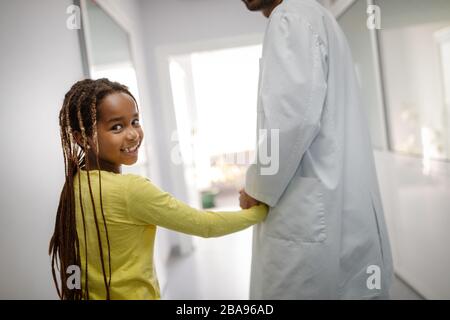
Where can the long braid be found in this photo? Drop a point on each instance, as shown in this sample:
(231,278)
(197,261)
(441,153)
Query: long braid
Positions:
(62,241)
(79,113)
(79,158)
(83,133)
(95,138)
(86,278)
(71,223)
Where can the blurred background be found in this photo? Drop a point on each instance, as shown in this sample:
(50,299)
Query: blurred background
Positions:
(193,67)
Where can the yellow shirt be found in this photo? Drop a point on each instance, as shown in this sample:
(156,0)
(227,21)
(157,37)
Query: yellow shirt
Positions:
(133,207)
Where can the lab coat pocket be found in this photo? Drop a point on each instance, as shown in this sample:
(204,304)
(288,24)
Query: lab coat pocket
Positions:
(300,213)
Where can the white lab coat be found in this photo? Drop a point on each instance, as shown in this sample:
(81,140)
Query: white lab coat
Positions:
(325,236)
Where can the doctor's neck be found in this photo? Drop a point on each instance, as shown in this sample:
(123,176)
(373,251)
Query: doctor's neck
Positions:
(268,10)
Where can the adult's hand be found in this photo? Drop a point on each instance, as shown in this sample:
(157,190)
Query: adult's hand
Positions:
(246,201)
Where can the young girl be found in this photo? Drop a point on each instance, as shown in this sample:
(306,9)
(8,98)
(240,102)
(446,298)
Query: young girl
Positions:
(106,221)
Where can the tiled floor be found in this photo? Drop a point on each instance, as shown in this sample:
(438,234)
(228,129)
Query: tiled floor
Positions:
(219,268)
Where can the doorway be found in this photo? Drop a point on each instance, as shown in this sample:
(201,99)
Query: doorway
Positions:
(214,94)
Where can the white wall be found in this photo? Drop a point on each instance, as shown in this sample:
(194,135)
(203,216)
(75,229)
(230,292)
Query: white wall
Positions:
(40,60)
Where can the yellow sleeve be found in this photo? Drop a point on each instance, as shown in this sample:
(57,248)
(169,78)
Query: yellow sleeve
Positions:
(147,204)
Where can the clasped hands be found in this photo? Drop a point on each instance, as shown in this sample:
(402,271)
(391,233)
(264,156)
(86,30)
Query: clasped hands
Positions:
(246,201)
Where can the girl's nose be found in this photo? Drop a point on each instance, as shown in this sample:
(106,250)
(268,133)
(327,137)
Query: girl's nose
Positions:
(133,134)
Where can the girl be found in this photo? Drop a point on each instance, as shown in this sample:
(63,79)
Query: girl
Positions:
(106,222)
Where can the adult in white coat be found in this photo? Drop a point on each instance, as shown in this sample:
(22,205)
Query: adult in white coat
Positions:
(325,236)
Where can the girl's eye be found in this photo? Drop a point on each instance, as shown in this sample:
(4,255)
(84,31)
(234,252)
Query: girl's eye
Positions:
(136,122)
(116,127)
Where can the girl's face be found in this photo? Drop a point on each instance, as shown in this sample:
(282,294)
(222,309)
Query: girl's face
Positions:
(119,133)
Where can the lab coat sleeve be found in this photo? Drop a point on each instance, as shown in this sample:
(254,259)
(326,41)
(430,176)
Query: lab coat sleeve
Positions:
(292,90)
(148,205)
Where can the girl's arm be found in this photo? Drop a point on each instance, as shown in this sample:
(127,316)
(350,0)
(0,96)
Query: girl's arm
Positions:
(147,204)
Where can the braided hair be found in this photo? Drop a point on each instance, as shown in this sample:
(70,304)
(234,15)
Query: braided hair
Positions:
(79,114)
